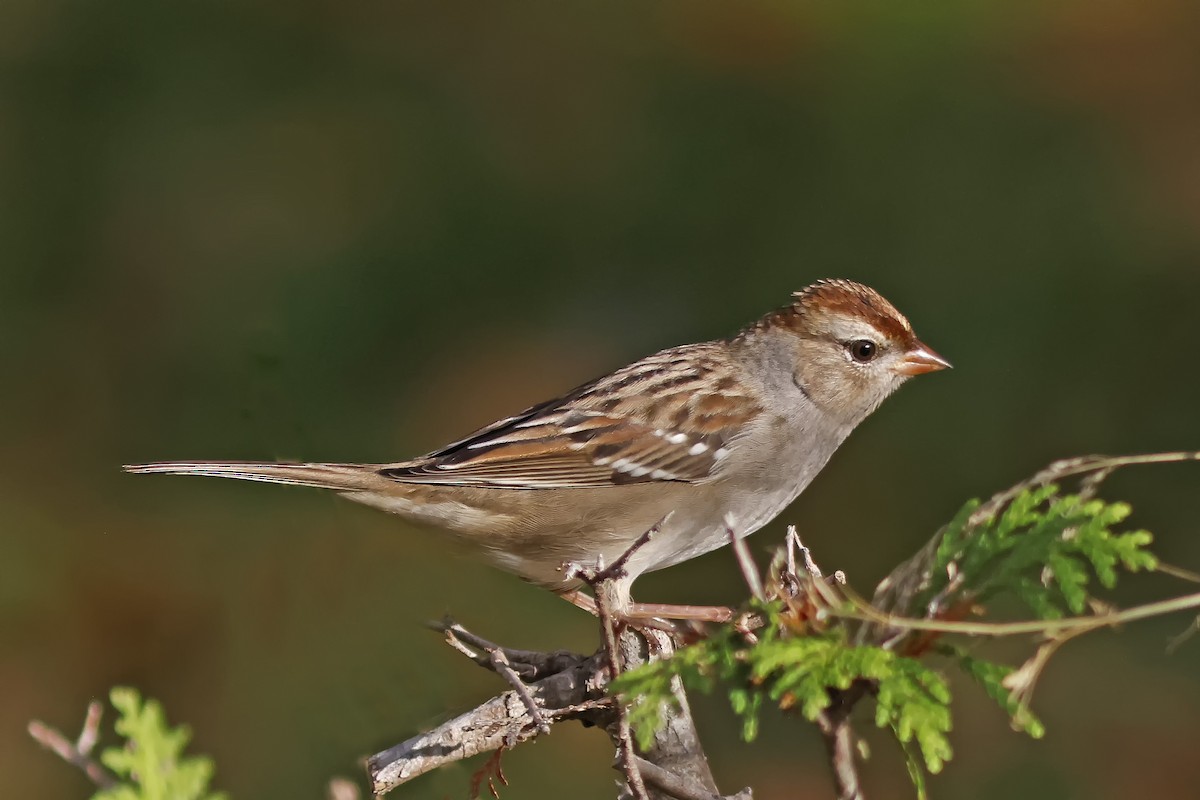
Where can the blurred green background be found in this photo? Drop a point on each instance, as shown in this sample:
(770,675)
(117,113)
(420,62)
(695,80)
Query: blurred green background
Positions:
(352,231)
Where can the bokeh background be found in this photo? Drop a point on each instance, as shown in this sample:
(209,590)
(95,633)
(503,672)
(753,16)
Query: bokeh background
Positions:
(351,231)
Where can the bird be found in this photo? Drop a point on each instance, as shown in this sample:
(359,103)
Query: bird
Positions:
(701,443)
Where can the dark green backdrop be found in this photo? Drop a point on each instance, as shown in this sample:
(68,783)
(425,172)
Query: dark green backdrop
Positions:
(353,230)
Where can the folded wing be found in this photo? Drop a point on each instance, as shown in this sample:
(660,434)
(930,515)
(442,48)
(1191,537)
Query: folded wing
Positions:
(668,417)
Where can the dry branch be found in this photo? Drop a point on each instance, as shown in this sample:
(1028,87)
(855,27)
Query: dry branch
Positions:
(576,691)
(79,752)
(572,693)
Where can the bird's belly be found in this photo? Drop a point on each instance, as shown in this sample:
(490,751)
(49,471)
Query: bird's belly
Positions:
(693,532)
(757,492)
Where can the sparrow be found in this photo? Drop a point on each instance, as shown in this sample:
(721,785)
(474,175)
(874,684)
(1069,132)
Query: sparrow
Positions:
(705,441)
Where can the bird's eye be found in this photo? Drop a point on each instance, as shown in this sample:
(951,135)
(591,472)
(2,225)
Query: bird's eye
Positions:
(862,350)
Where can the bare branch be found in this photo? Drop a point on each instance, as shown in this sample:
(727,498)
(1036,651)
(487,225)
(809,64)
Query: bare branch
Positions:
(91,728)
(1177,572)
(598,573)
(676,746)
(1179,639)
(504,720)
(1094,468)
(794,545)
(624,736)
(79,752)
(865,612)
(896,592)
(503,668)
(677,787)
(577,692)
(550,687)
(567,686)
(529,664)
(839,742)
(627,759)
(745,562)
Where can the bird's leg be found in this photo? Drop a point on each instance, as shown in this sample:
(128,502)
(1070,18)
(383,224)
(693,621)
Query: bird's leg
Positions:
(582,600)
(620,607)
(642,612)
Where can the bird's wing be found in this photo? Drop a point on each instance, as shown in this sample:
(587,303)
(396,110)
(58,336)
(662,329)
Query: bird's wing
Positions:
(668,417)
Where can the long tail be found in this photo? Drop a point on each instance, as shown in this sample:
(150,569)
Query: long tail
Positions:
(340,477)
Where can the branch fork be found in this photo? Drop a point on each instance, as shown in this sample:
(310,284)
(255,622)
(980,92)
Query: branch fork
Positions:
(548,688)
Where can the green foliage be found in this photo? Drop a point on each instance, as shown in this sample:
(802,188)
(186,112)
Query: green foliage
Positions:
(800,673)
(700,667)
(990,676)
(151,764)
(1041,547)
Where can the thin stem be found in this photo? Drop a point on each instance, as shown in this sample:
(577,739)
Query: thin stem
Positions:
(863,611)
(839,743)
(745,561)
(76,753)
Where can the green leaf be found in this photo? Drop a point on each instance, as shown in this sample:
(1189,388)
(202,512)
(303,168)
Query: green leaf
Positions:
(151,765)
(990,676)
(1041,547)
(800,673)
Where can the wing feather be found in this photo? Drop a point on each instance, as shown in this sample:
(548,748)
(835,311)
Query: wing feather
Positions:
(668,417)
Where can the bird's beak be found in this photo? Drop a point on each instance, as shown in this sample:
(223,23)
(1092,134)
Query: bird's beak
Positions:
(920,359)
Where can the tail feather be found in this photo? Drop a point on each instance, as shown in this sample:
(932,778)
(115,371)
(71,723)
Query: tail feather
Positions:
(341,477)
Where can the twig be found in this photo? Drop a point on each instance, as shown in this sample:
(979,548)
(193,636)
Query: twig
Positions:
(676,746)
(616,570)
(865,612)
(834,721)
(78,753)
(897,590)
(1071,467)
(608,628)
(627,758)
(503,668)
(625,749)
(574,693)
(1177,572)
(839,742)
(836,729)
(1179,639)
(794,545)
(1022,681)
(601,579)
(498,723)
(745,561)
(91,728)
(568,686)
(529,664)
(573,687)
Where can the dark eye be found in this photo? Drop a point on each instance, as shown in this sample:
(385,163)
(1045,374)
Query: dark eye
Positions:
(862,350)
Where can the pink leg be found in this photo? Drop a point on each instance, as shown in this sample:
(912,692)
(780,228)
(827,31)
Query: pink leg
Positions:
(670,611)
(645,611)
(581,600)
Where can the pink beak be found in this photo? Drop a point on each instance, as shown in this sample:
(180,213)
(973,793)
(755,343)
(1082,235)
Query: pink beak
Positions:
(920,359)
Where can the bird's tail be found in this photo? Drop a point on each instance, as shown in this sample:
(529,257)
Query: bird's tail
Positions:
(339,477)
